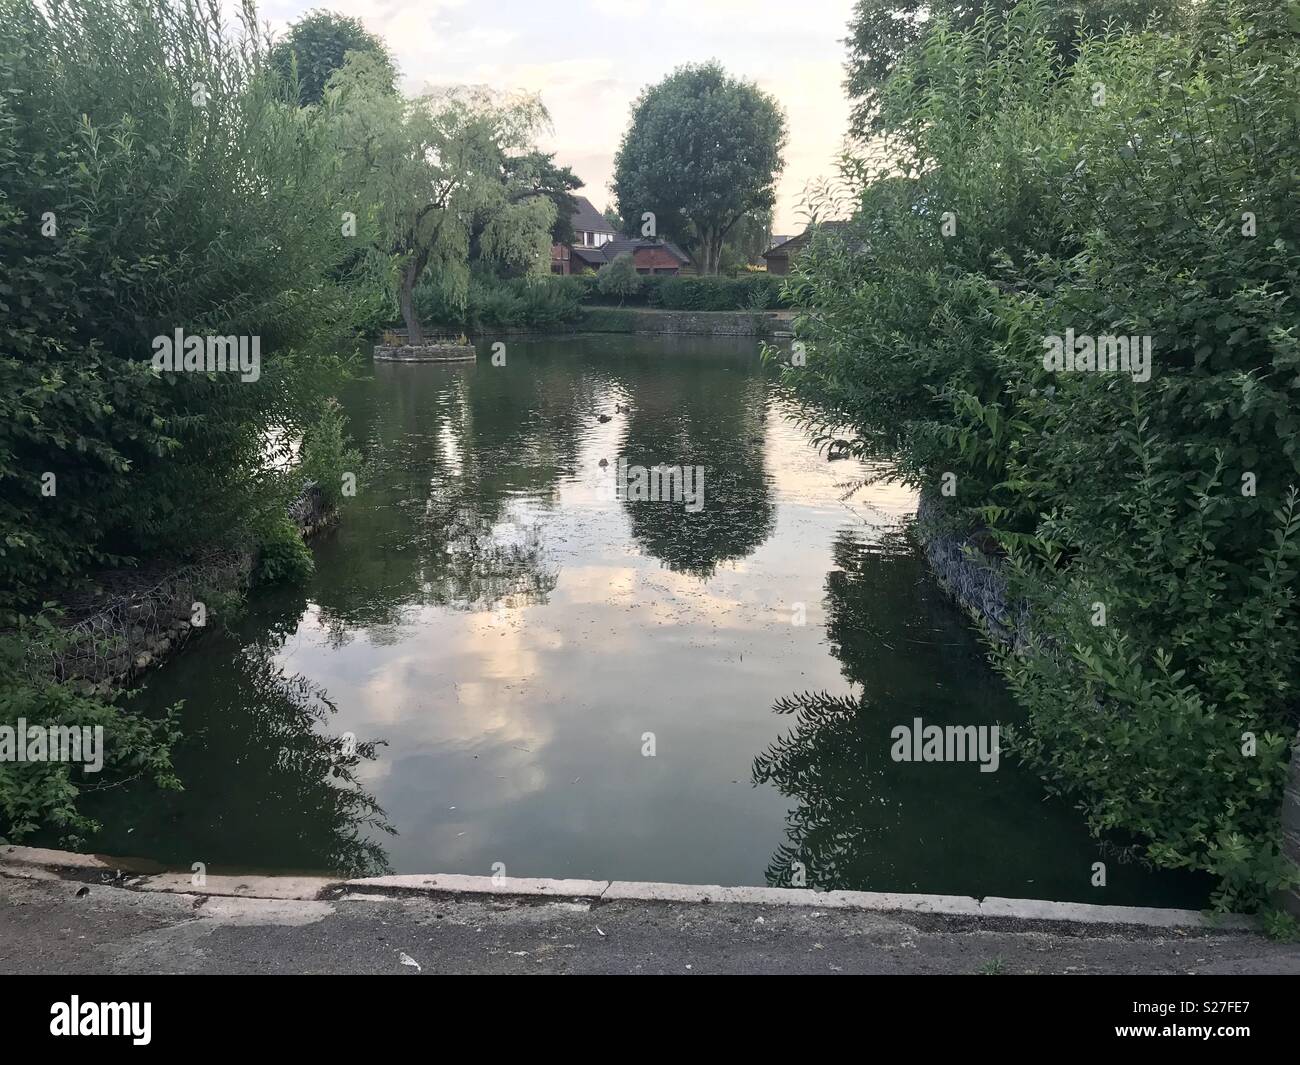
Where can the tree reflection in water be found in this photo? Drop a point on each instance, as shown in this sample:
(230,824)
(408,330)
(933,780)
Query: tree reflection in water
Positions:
(824,761)
(715,420)
(265,784)
(860,819)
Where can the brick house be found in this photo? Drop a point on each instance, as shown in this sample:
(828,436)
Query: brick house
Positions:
(649,256)
(595,243)
(591,229)
(782,255)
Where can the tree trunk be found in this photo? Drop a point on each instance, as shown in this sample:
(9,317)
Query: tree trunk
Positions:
(712,246)
(406,300)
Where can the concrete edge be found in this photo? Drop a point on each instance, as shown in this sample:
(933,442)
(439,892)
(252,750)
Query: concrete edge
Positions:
(40,864)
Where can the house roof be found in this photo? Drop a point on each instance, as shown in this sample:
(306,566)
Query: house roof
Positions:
(587,219)
(796,244)
(611,249)
(619,245)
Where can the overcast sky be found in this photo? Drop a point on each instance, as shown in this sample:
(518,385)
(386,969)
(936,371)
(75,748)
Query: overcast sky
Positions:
(590,58)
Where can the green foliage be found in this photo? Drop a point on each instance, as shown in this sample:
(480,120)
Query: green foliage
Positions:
(440,176)
(1281,926)
(283,556)
(883,32)
(37,796)
(619,278)
(317,46)
(703,148)
(533,302)
(749,292)
(745,244)
(1014,203)
(327,453)
(688,292)
(538,172)
(126,213)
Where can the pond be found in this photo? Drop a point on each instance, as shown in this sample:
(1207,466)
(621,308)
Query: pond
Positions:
(545,679)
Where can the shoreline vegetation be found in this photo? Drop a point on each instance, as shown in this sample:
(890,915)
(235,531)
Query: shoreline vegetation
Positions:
(1146,526)
(1010,183)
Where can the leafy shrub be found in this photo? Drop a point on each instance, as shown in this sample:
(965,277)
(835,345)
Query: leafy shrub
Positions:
(43,796)
(1037,207)
(125,212)
(690,292)
(327,453)
(283,556)
(619,278)
(526,302)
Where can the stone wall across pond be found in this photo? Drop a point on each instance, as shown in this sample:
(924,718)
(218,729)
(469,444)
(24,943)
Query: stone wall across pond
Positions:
(701,323)
(425,352)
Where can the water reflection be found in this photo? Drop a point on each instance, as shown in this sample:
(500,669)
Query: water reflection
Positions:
(513,631)
(861,821)
(716,420)
(266,785)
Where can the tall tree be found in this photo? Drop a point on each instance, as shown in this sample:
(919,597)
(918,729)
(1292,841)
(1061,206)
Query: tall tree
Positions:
(882,31)
(537,174)
(433,172)
(703,150)
(317,46)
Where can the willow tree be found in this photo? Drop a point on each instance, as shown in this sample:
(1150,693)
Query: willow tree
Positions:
(429,171)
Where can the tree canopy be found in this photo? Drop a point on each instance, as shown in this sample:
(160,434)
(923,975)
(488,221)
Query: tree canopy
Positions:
(703,150)
(317,46)
(433,172)
(881,32)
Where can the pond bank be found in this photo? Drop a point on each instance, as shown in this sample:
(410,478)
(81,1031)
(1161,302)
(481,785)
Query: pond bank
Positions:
(105,928)
(647,321)
(973,576)
(147,615)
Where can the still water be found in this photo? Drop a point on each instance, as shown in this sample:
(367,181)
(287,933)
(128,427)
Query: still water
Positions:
(542,675)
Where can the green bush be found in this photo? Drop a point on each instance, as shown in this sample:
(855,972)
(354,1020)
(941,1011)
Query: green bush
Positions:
(126,213)
(526,302)
(43,796)
(619,278)
(283,556)
(327,453)
(557,301)
(1116,197)
(689,292)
